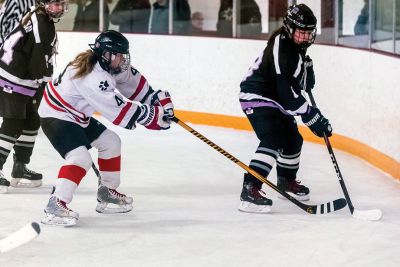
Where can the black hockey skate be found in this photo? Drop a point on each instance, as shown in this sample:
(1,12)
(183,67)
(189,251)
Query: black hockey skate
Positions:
(4,183)
(253,200)
(21,176)
(293,188)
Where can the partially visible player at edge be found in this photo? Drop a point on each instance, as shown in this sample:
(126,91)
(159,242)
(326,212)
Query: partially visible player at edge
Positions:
(26,64)
(100,79)
(271,95)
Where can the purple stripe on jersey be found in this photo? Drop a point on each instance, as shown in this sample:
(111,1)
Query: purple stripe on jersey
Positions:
(257,104)
(9,87)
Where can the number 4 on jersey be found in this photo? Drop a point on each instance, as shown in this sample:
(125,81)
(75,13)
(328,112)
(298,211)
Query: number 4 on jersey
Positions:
(119,101)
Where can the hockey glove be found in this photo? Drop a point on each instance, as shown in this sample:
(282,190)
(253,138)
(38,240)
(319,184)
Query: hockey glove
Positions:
(310,77)
(163,99)
(151,117)
(317,123)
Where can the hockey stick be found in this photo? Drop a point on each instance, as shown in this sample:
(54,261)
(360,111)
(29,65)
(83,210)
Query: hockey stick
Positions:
(97,172)
(370,215)
(312,209)
(20,237)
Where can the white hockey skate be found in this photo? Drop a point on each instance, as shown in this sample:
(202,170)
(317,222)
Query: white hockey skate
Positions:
(57,213)
(111,201)
(4,183)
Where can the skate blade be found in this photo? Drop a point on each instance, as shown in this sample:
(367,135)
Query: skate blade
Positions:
(25,183)
(297,197)
(3,189)
(109,208)
(252,208)
(51,219)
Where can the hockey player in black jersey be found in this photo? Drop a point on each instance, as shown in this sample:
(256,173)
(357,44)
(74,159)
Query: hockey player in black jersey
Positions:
(26,64)
(271,95)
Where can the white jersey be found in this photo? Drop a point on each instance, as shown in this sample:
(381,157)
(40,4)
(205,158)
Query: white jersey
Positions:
(76,100)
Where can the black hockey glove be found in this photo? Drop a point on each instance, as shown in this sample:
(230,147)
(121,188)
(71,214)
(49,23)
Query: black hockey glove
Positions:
(310,77)
(317,123)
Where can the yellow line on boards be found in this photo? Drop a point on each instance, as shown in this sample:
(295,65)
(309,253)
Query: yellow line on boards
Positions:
(352,146)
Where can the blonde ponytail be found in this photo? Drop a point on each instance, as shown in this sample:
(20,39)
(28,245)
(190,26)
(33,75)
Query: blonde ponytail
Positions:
(84,63)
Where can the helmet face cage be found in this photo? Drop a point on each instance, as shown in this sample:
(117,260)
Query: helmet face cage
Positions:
(122,66)
(54,8)
(301,18)
(106,47)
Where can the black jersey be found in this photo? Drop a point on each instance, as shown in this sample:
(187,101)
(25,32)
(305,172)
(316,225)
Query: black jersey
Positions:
(276,77)
(26,57)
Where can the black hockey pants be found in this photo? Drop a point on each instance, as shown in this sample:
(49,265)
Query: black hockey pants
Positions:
(20,125)
(280,143)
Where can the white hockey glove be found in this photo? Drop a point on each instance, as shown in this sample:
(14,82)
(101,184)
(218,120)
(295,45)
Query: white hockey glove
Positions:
(163,98)
(152,117)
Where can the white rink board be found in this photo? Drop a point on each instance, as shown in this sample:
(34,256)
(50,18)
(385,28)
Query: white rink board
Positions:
(357,90)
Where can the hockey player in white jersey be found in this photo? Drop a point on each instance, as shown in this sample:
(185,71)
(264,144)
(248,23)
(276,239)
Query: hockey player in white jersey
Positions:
(100,79)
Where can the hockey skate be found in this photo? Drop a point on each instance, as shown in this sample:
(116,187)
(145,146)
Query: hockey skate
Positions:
(23,177)
(253,200)
(293,188)
(119,203)
(57,213)
(4,183)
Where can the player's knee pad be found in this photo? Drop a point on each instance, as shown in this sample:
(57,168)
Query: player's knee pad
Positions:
(32,122)
(108,144)
(12,127)
(297,141)
(79,156)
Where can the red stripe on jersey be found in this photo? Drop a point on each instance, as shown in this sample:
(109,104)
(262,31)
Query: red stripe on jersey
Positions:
(110,165)
(73,173)
(46,97)
(165,101)
(122,114)
(63,101)
(139,88)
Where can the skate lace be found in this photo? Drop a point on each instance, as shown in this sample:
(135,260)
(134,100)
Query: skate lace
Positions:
(63,205)
(258,193)
(30,171)
(295,185)
(2,175)
(116,193)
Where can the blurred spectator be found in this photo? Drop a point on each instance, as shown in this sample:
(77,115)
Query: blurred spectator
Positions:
(11,13)
(249,20)
(361,26)
(87,15)
(132,15)
(160,15)
(197,24)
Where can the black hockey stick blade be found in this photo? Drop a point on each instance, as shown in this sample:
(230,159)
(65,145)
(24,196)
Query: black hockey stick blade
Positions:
(20,237)
(312,209)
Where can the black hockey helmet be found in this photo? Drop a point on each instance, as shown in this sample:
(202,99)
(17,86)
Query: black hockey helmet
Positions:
(301,17)
(54,8)
(107,45)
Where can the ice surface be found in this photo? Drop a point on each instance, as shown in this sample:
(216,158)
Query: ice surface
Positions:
(185,210)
